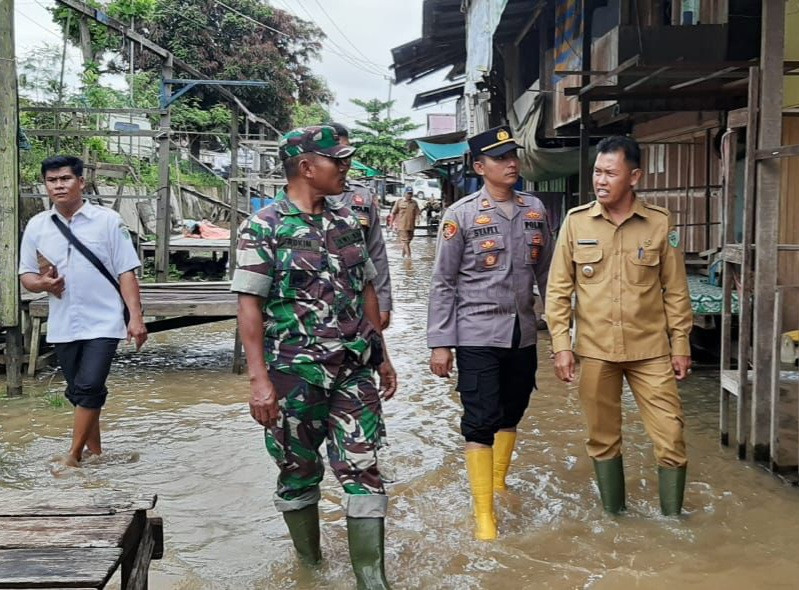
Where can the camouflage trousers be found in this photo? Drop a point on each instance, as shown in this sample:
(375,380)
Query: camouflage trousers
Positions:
(348,417)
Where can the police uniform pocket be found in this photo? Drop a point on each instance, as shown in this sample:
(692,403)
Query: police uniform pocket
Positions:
(535,241)
(643,269)
(589,265)
(489,253)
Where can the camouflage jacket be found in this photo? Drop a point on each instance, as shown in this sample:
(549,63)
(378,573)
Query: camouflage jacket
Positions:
(366,209)
(311,271)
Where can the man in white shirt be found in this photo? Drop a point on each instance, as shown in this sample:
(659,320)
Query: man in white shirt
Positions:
(85,321)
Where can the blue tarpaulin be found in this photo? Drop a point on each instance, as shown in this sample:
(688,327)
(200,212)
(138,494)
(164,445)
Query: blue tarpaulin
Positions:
(441,152)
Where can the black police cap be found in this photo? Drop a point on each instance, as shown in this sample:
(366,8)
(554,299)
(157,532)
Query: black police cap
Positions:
(494,142)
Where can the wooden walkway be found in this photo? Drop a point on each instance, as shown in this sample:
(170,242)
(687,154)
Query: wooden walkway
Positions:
(180,243)
(77,539)
(169,305)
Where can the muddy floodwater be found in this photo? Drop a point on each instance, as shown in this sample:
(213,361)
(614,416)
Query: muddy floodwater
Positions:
(177,424)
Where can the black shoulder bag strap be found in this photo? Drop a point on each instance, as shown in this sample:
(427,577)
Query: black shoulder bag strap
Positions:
(93,259)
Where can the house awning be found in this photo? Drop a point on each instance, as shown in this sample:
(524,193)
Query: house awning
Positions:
(367,171)
(437,95)
(439,153)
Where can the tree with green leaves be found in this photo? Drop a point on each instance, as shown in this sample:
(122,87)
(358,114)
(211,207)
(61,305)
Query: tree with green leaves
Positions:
(379,138)
(243,40)
(226,40)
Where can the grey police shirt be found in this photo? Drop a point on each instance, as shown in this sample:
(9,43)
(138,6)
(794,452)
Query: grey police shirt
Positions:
(487,264)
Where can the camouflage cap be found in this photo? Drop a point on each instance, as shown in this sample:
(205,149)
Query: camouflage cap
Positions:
(318,139)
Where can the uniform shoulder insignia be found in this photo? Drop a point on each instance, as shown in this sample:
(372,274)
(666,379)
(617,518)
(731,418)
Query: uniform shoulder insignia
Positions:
(657,208)
(448,229)
(583,207)
(462,202)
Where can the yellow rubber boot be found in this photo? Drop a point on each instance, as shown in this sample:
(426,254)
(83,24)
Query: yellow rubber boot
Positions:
(504,443)
(480,467)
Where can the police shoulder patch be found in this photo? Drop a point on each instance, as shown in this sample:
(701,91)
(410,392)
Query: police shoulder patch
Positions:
(674,238)
(448,229)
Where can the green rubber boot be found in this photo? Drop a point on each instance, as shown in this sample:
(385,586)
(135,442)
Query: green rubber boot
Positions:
(610,478)
(366,537)
(303,526)
(671,485)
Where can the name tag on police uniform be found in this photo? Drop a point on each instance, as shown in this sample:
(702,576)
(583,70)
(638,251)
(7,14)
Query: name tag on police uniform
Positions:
(489,230)
(588,242)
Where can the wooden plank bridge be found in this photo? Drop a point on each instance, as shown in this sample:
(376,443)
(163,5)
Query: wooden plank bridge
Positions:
(168,306)
(77,539)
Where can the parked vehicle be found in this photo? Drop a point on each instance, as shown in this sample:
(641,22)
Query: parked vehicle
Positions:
(425,189)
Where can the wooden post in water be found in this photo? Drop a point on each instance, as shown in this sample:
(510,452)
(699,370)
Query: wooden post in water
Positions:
(9,202)
(234,223)
(772,54)
(163,222)
(233,188)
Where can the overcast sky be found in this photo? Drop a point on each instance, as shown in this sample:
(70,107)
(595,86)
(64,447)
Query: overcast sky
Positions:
(356,30)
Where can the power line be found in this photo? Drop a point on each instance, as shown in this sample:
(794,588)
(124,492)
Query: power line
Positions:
(346,38)
(343,53)
(259,23)
(26,17)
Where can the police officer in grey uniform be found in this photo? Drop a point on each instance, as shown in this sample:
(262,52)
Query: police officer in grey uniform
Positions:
(493,247)
(366,208)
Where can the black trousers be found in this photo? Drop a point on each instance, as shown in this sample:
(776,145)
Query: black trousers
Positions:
(86,364)
(495,385)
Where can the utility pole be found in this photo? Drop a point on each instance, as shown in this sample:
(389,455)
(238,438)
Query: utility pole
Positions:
(390,84)
(9,201)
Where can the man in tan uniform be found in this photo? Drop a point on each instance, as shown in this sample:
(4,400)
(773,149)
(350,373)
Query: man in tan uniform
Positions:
(406,213)
(621,257)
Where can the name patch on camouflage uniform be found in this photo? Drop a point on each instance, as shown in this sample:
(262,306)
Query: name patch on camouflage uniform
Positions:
(301,244)
(449,229)
(489,230)
(349,238)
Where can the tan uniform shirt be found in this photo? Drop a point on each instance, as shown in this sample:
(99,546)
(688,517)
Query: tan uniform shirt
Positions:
(487,263)
(630,285)
(406,212)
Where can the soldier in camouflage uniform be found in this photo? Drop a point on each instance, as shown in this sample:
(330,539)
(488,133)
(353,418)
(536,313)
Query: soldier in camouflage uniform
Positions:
(303,267)
(366,208)
(357,198)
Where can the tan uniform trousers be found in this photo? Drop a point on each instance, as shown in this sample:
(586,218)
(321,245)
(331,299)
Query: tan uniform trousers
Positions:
(654,387)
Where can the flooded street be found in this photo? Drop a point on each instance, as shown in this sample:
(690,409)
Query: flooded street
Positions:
(177,424)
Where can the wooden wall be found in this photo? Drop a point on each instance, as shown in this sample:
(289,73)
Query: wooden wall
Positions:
(674,161)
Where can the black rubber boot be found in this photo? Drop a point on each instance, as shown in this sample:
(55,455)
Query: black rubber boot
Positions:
(303,526)
(610,478)
(671,485)
(366,540)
